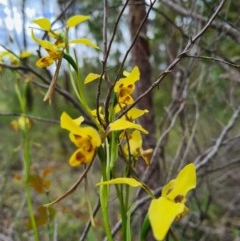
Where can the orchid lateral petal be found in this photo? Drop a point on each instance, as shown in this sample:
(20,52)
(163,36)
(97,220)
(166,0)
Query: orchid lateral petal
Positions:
(184,182)
(122,180)
(135,113)
(70,124)
(162,213)
(44,43)
(43,23)
(75,20)
(122,124)
(91,77)
(84,41)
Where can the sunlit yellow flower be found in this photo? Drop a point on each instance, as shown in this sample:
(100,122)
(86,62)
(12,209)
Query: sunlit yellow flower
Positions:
(56,50)
(86,138)
(133,147)
(125,87)
(171,205)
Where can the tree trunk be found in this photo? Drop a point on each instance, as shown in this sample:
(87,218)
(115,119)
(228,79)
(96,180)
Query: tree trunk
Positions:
(140,57)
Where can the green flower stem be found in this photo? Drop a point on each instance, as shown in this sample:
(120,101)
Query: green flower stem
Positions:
(27,164)
(123,210)
(104,196)
(104,193)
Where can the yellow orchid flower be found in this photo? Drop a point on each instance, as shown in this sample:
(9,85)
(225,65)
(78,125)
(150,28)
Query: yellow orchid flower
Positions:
(125,86)
(86,138)
(134,147)
(171,205)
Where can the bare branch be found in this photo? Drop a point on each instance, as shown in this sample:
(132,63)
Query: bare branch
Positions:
(211,152)
(179,58)
(218,25)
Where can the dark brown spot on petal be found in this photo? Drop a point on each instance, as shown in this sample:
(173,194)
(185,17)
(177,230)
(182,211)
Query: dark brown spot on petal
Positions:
(77,137)
(178,198)
(79,156)
(169,191)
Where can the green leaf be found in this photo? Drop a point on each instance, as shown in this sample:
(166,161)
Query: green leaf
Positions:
(75,20)
(71,61)
(145,228)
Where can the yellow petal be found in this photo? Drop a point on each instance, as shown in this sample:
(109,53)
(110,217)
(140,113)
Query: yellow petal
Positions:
(43,23)
(147,155)
(70,124)
(162,213)
(45,62)
(122,124)
(44,43)
(84,41)
(135,144)
(128,81)
(184,182)
(135,113)
(122,180)
(80,157)
(91,77)
(86,134)
(75,20)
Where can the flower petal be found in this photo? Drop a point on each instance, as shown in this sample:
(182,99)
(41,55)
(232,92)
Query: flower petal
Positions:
(184,182)
(43,23)
(70,124)
(135,113)
(162,213)
(44,62)
(80,157)
(75,20)
(84,41)
(91,77)
(129,80)
(122,180)
(122,124)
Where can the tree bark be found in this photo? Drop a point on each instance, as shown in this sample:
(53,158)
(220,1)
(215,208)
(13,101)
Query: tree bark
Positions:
(140,57)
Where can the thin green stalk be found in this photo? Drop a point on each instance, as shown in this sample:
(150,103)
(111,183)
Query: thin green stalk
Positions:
(27,164)
(122,209)
(104,194)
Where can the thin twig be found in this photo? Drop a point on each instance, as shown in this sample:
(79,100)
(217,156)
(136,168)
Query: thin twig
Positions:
(213,59)
(72,188)
(229,30)
(106,58)
(124,59)
(200,161)
(179,58)
(89,223)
